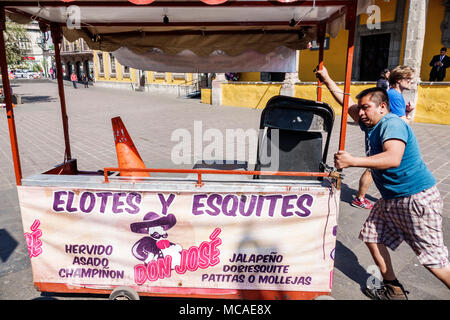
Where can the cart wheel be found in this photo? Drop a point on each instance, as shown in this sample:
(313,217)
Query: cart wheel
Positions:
(324,297)
(123,293)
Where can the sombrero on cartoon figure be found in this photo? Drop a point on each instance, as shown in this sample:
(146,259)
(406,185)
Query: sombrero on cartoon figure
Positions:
(152,219)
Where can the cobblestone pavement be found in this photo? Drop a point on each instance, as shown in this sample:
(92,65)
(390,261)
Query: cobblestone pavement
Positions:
(150,119)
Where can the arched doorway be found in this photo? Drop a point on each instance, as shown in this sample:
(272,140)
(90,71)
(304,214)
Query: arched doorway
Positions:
(79,69)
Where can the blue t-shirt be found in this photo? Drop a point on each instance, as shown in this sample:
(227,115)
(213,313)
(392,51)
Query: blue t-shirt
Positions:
(397,102)
(412,175)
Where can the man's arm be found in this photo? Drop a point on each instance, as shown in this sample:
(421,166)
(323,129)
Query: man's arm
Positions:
(337,93)
(391,157)
(446,62)
(433,61)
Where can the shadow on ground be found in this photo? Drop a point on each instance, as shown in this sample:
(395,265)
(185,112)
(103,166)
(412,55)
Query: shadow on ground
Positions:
(348,194)
(7,245)
(37,99)
(347,262)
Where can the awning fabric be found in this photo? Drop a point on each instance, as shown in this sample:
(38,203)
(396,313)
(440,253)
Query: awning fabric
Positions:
(201,45)
(281,59)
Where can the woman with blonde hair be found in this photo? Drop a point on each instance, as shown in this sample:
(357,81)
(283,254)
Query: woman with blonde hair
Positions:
(400,79)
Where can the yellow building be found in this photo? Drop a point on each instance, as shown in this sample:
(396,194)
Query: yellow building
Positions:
(379,47)
(76,57)
(110,73)
(381,41)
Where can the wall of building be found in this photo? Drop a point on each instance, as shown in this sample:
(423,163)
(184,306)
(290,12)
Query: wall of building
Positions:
(250,92)
(387,10)
(169,78)
(206,96)
(250,95)
(334,59)
(106,76)
(433,36)
(154,81)
(256,95)
(433,104)
(250,76)
(334,56)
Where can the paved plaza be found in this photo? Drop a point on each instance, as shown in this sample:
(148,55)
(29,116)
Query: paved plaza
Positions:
(150,120)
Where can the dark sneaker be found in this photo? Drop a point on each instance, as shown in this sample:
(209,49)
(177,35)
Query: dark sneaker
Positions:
(362,203)
(387,292)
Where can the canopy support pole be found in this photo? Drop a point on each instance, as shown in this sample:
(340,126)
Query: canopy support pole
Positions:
(351,21)
(321,40)
(8,100)
(57,40)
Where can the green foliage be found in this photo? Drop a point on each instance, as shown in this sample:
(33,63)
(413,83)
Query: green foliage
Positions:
(36,67)
(15,34)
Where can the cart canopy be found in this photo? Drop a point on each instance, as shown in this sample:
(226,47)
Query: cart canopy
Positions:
(203,27)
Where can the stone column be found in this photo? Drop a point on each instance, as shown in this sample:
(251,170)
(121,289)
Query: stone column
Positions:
(290,79)
(445,25)
(415,35)
(288,85)
(216,92)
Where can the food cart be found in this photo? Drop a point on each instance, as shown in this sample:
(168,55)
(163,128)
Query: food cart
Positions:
(222,231)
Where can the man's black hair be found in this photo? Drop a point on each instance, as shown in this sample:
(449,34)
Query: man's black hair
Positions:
(377,95)
(444,49)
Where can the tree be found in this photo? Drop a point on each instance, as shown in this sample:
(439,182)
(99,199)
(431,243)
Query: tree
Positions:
(36,67)
(15,35)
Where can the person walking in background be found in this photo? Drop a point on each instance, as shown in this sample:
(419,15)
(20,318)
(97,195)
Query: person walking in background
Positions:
(438,65)
(360,200)
(85,80)
(74,79)
(52,75)
(400,79)
(410,208)
(383,82)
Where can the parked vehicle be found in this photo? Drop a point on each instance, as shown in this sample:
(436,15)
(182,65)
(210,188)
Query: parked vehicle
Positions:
(26,74)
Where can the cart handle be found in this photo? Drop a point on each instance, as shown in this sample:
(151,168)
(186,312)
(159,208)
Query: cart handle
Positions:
(199,172)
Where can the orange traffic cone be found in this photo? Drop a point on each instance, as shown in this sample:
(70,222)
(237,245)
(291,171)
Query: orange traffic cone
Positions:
(127,154)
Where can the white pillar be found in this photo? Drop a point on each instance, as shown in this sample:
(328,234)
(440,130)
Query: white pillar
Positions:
(290,79)
(415,35)
(216,92)
(288,86)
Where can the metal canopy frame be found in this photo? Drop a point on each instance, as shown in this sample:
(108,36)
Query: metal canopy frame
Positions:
(162,3)
(349,7)
(18,7)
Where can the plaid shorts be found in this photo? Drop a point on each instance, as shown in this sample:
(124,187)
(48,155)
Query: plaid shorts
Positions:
(416,219)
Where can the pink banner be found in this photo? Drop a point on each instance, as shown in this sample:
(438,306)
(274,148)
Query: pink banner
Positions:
(149,240)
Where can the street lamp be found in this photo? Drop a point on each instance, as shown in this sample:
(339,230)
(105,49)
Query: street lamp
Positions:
(42,43)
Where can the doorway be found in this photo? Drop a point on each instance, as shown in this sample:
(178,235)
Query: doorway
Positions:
(374,56)
(272,76)
(79,69)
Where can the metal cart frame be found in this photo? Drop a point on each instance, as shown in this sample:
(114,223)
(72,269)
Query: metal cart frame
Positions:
(349,8)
